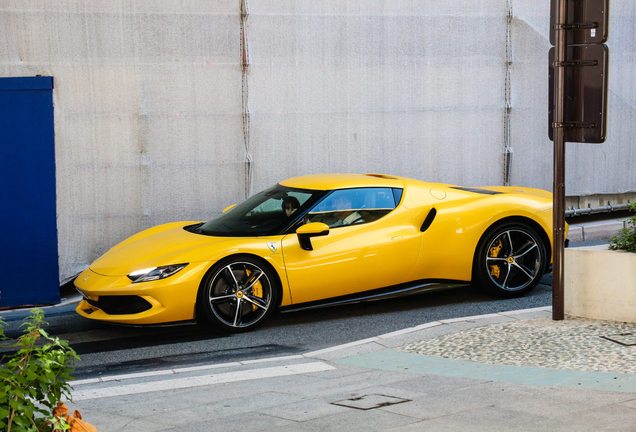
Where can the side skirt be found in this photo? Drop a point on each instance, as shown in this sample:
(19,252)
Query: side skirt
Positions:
(395,291)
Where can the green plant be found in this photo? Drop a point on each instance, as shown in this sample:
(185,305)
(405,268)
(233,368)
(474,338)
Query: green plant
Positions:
(34,379)
(626,238)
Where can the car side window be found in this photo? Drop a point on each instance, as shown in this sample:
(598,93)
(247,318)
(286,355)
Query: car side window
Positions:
(353,206)
(275,203)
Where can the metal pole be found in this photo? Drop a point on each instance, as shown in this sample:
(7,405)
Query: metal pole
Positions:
(559,163)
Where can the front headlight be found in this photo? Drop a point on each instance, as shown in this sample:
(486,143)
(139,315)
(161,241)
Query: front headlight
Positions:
(155,273)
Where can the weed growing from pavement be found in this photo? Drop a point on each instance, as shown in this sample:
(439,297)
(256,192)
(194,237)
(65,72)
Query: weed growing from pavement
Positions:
(34,379)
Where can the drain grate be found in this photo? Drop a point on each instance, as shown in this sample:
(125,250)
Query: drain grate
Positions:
(626,339)
(372,401)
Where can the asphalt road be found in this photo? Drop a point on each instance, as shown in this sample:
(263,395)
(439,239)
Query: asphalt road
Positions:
(110,350)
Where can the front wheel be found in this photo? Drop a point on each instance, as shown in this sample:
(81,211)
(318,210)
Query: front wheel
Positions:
(510,260)
(238,294)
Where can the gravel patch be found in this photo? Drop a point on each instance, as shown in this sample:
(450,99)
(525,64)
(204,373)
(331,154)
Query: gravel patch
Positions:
(572,344)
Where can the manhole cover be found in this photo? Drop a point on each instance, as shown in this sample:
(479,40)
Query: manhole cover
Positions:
(371,401)
(627,339)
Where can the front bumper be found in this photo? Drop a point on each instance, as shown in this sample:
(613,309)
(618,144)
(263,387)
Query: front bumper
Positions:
(116,299)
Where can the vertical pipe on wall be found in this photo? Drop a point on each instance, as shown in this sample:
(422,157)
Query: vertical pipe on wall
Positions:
(507,164)
(249,162)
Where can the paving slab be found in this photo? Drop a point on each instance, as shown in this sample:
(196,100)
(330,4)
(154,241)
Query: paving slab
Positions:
(610,417)
(485,419)
(353,420)
(556,403)
(305,410)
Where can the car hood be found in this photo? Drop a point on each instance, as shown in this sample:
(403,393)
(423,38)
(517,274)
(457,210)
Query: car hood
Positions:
(172,245)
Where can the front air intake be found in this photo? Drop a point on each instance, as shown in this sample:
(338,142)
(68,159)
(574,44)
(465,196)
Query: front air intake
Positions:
(121,305)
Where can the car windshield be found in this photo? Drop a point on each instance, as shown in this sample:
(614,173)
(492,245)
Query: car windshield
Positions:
(269,212)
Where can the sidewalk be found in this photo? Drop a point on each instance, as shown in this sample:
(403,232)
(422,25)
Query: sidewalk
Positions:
(512,371)
(597,230)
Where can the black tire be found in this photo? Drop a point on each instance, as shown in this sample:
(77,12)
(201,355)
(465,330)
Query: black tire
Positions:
(237,294)
(510,260)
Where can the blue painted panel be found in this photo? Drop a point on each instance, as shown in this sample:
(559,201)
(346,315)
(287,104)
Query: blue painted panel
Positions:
(27,192)
(28,83)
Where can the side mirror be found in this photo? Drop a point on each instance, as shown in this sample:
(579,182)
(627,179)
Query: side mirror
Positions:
(228,208)
(306,232)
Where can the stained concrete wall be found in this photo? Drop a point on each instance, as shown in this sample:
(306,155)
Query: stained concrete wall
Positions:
(154,122)
(599,284)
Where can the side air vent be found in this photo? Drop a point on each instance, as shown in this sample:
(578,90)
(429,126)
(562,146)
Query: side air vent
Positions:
(429,219)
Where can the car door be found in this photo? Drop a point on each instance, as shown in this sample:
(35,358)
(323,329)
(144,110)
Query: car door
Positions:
(378,247)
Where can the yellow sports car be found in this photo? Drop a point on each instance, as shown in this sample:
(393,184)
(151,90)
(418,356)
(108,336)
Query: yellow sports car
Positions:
(323,239)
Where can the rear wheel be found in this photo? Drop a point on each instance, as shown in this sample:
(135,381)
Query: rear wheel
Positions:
(238,294)
(510,260)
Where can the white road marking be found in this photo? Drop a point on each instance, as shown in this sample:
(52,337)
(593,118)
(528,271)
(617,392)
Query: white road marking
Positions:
(198,381)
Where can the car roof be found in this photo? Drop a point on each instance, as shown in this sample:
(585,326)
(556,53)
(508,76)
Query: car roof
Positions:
(343,181)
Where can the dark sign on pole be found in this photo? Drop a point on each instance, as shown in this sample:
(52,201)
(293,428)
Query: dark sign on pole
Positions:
(585,93)
(584,27)
(586,22)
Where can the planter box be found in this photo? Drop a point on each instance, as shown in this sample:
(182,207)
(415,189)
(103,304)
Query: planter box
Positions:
(600,284)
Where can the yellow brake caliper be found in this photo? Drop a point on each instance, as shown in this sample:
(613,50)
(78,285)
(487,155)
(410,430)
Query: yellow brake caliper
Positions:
(257,289)
(494,252)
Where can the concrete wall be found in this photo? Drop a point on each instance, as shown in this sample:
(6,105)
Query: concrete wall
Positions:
(600,284)
(151,107)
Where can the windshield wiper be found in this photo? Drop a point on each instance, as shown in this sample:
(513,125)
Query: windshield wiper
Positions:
(195,229)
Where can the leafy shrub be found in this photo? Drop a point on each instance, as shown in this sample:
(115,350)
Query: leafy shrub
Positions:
(34,379)
(626,238)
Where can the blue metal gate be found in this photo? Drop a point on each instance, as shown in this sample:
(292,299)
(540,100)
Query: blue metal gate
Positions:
(28,251)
